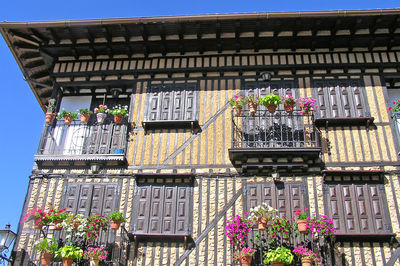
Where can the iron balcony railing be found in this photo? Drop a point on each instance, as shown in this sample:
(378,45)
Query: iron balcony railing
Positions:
(277,130)
(82,139)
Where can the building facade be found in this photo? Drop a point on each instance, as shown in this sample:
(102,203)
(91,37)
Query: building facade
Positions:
(182,163)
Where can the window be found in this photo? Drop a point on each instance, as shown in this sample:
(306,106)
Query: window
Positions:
(285,197)
(162,209)
(357,208)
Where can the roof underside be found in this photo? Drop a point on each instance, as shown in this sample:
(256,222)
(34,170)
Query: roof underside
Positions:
(37,45)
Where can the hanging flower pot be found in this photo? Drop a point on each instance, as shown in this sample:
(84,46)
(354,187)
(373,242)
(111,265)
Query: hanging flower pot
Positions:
(46,258)
(68,120)
(75,226)
(302,226)
(237,111)
(115,224)
(118,119)
(67,261)
(94,262)
(57,225)
(252,108)
(101,117)
(262,223)
(246,260)
(307,261)
(85,118)
(49,118)
(275,263)
(289,107)
(271,108)
(37,226)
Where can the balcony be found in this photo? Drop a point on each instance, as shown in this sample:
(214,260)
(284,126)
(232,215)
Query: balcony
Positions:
(279,142)
(81,145)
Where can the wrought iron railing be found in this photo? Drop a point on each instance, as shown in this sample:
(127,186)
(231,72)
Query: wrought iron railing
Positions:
(81,139)
(277,130)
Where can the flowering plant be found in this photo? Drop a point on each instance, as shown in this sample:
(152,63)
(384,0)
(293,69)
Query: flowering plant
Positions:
(101,109)
(301,215)
(58,215)
(396,108)
(40,216)
(45,246)
(117,216)
(65,113)
(85,111)
(262,211)
(279,227)
(97,253)
(93,226)
(321,225)
(280,254)
(119,110)
(237,230)
(289,99)
(303,252)
(270,99)
(246,251)
(251,99)
(307,104)
(74,225)
(51,105)
(237,101)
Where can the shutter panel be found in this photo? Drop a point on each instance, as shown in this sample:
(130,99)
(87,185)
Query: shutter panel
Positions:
(142,200)
(94,139)
(154,105)
(157,195)
(167,98)
(105,137)
(191,97)
(379,221)
(296,197)
(182,210)
(118,137)
(282,200)
(84,201)
(350,209)
(97,200)
(335,210)
(178,104)
(72,196)
(169,210)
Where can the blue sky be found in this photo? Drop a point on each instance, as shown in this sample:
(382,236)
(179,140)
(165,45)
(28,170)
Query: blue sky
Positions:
(21,130)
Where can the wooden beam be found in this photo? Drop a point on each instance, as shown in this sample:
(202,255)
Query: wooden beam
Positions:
(24,38)
(53,35)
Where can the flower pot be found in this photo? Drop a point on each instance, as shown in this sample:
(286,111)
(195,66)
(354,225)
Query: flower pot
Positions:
(307,261)
(271,108)
(94,262)
(118,119)
(115,224)
(304,111)
(246,260)
(101,117)
(252,108)
(85,118)
(68,120)
(37,226)
(302,226)
(275,263)
(289,107)
(262,223)
(49,118)
(237,111)
(57,225)
(46,258)
(75,226)
(67,261)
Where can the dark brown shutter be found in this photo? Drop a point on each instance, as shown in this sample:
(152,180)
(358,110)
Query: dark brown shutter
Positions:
(71,197)
(343,98)
(84,200)
(118,137)
(169,210)
(142,207)
(182,210)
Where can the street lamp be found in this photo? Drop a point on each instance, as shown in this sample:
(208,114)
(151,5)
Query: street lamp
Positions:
(6,238)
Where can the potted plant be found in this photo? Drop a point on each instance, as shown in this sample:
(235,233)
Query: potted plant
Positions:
(279,228)
(95,255)
(261,214)
(289,102)
(301,220)
(237,103)
(49,111)
(74,227)
(85,115)
(58,216)
(67,115)
(119,113)
(245,256)
(101,113)
(307,105)
(271,101)
(38,215)
(252,101)
(306,255)
(47,249)
(94,224)
(279,256)
(116,218)
(68,254)
(320,225)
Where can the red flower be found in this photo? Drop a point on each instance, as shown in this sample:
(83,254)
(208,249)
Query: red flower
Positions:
(390,108)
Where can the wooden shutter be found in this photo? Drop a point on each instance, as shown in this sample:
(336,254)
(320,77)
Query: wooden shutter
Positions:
(118,140)
(178,104)
(182,210)
(357,208)
(191,102)
(153,107)
(340,98)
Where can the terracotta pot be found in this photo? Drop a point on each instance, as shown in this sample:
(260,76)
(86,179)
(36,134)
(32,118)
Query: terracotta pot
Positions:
(262,223)
(49,118)
(302,226)
(67,261)
(271,108)
(68,120)
(252,108)
(118,119)
(37,226)
(57,225)
(101,117)
(115,224)
(289,107)
(307,261)
(85,118)
(237,111)
(46,258)
(94,262)
(304,111)
(275,263)
(246,260)
(75,226)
